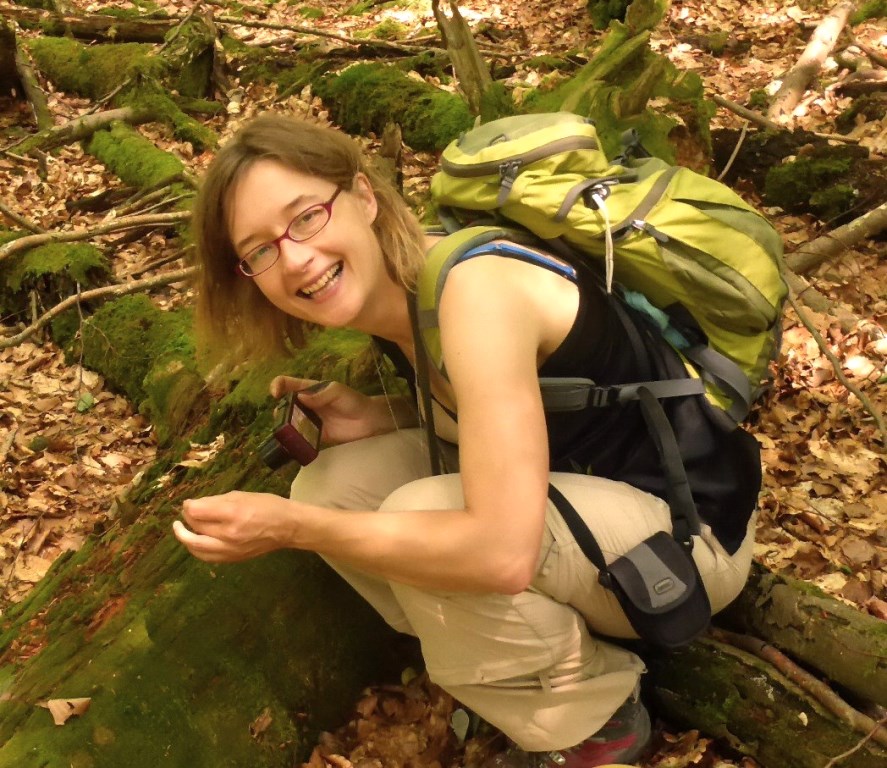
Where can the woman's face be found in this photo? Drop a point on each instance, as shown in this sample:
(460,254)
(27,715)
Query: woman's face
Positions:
(332,277)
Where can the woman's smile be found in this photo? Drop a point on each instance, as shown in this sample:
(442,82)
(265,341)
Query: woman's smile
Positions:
(324,285)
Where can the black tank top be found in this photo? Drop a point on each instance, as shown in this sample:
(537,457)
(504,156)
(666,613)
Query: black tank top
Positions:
(723,467)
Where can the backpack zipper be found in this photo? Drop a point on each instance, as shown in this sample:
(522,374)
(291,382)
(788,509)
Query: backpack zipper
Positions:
(643,226)
(513,165)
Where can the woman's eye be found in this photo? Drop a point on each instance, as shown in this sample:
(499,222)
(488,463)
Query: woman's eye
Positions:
(307,218)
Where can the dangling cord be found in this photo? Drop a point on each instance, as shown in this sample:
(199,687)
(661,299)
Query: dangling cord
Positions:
(378,364)
(424,386)
(600,201)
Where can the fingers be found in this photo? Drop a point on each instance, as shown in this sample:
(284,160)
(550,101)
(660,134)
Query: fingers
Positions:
(206,548)
(283,385)
(320,394)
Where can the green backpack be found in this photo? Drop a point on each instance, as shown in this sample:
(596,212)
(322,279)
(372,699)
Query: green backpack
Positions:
(683,248)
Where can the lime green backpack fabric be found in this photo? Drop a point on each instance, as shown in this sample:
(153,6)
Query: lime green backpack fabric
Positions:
(672,240)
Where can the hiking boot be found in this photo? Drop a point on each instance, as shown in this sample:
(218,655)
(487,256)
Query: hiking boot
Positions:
(622,739)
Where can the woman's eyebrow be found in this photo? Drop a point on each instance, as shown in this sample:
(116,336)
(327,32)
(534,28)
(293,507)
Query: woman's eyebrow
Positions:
(292,205)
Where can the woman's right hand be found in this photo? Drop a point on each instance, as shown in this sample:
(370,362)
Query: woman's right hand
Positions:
(346,413)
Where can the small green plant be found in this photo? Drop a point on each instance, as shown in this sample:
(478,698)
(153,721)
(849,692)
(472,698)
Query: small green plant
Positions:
(310,12)
(758,99)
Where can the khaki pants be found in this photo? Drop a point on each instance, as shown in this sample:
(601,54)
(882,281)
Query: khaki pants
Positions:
(533,664)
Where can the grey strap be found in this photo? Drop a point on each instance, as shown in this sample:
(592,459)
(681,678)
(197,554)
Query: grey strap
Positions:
(576,394)
(725,375)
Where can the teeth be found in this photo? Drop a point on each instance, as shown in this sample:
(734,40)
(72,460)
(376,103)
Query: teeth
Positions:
(321,281)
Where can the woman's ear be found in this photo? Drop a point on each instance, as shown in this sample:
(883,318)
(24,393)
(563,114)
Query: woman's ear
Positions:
(364,191)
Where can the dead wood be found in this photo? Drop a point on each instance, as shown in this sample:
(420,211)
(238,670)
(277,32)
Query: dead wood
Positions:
(471,70)
(10,81)
(866,80)
(796,80)
(81,128)
(90,27)
(834,243)
(20,220)
(127,222)
(115,291)
(32,89)
(860,722)
(765,122)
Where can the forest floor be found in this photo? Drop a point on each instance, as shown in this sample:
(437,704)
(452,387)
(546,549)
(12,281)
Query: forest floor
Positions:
(69,447)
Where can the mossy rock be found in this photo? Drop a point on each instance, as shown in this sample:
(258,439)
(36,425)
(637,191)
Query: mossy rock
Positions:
(135,159)
(871,106)
(53,271)
(366,97)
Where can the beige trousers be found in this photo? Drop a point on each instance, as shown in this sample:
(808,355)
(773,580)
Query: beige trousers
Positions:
(533,664)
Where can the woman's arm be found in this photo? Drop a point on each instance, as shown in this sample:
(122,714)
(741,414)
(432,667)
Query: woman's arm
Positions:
(495,316)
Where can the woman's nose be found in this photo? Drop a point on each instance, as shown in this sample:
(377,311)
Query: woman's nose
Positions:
(295,257)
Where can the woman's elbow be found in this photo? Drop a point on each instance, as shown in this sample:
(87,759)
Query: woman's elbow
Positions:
(513,575)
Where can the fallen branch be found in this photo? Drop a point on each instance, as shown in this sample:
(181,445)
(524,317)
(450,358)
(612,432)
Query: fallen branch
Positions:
(123,289)
(764,122)
(34,93)
(810,255)
(796,80)
(81,128)
(869,406)
(127,222)
(21,220)
(813,685)
(877,58)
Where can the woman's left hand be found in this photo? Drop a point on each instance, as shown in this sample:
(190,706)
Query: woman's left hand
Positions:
(235,526)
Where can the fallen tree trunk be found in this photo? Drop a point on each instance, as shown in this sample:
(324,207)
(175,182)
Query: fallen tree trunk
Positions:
(798,78)
(90,27)
(810,255)
(32,89)
(731,694)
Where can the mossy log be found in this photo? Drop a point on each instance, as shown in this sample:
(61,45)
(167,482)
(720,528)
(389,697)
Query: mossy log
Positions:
(731,694)
(113,28)
(187,665)
(846,646)
(367,97)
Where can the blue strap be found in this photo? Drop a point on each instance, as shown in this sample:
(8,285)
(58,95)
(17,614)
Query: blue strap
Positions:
(514,251)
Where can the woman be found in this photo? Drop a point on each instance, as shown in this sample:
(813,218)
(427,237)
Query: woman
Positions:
(477,563)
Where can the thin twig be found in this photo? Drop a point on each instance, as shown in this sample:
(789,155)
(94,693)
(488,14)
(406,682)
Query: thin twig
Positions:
(812,685)
(764,122)
(736,149)
(115,225)
(839,371)
(862,742)
(21,220)
(109,290)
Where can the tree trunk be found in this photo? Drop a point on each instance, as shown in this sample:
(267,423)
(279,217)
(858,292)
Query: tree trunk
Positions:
(9,78)
(471,70)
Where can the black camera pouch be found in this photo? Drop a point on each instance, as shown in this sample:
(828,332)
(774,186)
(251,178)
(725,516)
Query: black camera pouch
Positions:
(660,591)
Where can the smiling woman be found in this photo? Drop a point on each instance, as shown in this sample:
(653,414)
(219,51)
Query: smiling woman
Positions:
(294,229)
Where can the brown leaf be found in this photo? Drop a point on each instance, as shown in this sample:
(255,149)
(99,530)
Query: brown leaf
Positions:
(261,724)
(877,608)
(857,551)
(63,709)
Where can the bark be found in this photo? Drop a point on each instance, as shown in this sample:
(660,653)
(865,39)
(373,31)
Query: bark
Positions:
(33,91)
(864,81)
(471,70)
(90,27)
(846,646)
(795,82)
(832,244)
(9,78)
(81,128)
(732,694)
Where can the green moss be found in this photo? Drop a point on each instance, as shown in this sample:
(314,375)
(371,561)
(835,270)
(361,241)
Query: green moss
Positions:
(496,102)
(135,159)
(758,99)
(388,29)
(716,42)
(366,97)
(310,12)
(602,12)
(870,106)
(127,338)
(793,185)
(873,9)
(53,271)
(91,71)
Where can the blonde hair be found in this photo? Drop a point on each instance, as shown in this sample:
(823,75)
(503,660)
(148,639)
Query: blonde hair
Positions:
(234,321)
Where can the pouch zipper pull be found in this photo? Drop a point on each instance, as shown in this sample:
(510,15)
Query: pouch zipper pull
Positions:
(508,172)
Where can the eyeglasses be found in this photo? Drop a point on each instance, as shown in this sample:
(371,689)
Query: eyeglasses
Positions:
(303,227)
